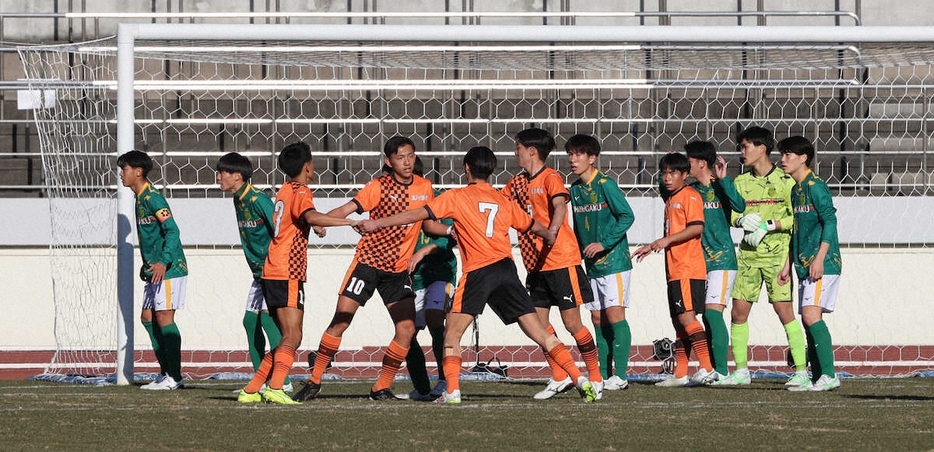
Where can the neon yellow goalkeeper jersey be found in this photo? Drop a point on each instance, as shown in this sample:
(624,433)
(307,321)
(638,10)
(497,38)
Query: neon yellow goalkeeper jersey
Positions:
(770,197)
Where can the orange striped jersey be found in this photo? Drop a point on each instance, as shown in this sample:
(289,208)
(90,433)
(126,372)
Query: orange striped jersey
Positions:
(288,252)
(482,218)
(389,249)
(534,194)
(684,260)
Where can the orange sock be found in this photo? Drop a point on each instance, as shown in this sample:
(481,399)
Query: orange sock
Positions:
(557,373)
(283,358)
(681,361)
(562,356)
(392,361)
(261,375)
(326,351)
(699,344)
(451,365)
(589,352)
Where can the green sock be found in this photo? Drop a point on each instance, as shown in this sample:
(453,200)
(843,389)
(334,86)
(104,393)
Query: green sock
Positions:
(255,340)
(824,346)
(172,346)
(415,363)
(798,345)
(272,332)
(740,335)
(437,348)
(603,338)
(812,354)
(622,344)
(718,340)
(154,336)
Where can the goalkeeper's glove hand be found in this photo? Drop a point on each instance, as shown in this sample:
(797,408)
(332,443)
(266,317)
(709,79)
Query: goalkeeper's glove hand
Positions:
(750,222)
(754,238)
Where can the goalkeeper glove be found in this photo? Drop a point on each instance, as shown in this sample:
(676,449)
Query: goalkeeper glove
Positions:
(754,238)
(750,222)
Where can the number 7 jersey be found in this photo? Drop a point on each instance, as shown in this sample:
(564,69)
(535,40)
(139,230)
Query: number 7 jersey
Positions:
(482,219)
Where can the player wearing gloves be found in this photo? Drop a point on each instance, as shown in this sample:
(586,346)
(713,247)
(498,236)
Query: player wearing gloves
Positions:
(767,222)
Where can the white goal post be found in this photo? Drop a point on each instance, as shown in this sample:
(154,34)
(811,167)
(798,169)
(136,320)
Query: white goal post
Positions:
(862,93)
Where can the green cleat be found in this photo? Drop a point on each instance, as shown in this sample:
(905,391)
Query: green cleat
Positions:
(278,396)
(587,391)
(799,379)
(247,397)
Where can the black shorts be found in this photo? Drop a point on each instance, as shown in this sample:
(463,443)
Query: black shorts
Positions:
(497,285)
(686,295)
(362,280)
(566,288)
(284,293)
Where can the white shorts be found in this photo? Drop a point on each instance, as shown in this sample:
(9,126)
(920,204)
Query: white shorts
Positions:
(169,295)
(610,291)
(719,287)
(822,292)
(255,301)
(435,296)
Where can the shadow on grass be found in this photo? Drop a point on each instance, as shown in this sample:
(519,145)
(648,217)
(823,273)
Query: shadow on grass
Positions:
(911,398)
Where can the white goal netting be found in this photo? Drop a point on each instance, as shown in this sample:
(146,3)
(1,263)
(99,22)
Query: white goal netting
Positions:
(867,107)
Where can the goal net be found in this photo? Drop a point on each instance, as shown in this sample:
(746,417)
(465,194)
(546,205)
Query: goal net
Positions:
(865,105)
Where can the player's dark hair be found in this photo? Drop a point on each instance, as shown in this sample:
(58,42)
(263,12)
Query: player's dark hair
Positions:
(393,144)
(136,159)
(235,163)
(674,161)
(758,136)
(797,145)
(418,168)
(482,161)
(540,139)
(702,150)
(582,144)
(293,157)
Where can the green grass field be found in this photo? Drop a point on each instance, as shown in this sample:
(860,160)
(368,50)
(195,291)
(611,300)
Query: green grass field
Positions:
(864,414)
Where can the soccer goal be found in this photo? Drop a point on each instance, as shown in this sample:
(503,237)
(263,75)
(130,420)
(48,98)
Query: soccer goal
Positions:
(190,93)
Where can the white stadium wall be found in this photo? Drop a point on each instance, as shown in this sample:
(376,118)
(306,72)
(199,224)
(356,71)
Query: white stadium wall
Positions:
(883,301)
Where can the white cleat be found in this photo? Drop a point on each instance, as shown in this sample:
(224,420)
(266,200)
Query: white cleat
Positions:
(703,377)
(453,398)
(738,377)
(673,382)
(554,388)
(615,383)
(598,388)
(798,379)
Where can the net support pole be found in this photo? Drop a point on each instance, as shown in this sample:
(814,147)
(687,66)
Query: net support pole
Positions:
(126,38)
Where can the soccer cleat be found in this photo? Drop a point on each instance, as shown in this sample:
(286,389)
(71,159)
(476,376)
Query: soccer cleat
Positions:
(554,388)
(615,383)
(439,389)
(803,388)
(383,394)
(702,377)
(167,384)
(825,383)
(798,379)
(598,387)
(453,398)
(418,397)
(673,382)
(738,377)
(247,397)
(153,384)
(278,397)
(308,392)
(586,389)
(288,388)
